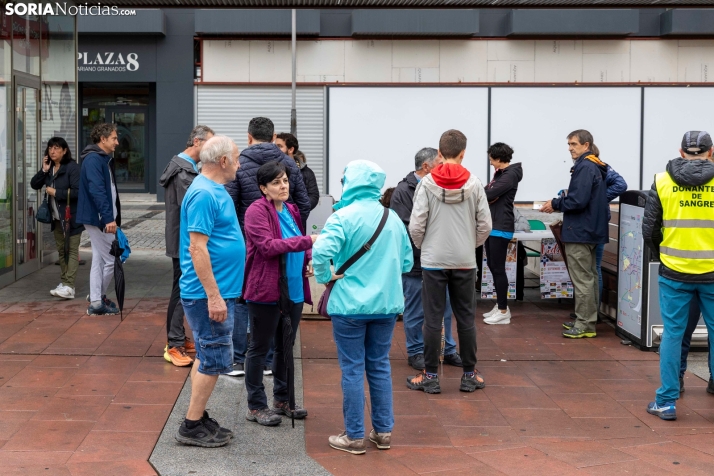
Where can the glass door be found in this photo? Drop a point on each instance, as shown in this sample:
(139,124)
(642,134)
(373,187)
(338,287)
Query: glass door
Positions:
(27,163)
(130,158)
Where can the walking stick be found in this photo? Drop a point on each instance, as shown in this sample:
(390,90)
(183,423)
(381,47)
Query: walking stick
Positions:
(443,343)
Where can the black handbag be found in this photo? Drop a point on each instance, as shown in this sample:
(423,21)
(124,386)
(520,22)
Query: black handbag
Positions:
(44,215)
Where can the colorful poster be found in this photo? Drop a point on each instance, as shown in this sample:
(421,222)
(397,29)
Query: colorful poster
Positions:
(554,278)
(488,290)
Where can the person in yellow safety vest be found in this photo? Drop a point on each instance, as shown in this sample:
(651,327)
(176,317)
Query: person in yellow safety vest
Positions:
(679,224)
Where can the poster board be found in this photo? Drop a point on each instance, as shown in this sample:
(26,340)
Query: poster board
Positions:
(389,125)
(665,123)
(488,288)
(535,121)
(554,278)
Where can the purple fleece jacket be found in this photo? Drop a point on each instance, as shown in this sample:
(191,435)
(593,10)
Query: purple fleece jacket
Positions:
(265,244)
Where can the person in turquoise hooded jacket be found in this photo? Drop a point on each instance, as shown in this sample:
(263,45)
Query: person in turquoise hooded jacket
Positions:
(364,303)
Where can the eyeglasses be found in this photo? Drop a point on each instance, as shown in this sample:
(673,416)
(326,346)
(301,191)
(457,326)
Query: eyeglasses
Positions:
(55,147)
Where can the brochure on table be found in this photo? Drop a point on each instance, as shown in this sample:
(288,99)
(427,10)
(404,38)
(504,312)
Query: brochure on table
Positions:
(488,290)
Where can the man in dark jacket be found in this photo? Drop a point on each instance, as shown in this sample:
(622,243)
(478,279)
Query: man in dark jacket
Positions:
(402,202)
(288,143)
(678,224)
(244,190)
(585,223)
(178,175)
(99,210)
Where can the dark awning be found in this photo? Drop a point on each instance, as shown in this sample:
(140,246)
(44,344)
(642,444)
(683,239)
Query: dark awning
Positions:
(400,3)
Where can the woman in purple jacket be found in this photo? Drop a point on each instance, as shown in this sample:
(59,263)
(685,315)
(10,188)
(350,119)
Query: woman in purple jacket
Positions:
(273,228)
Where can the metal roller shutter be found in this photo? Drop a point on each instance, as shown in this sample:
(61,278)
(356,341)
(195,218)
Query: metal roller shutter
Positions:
(228,109)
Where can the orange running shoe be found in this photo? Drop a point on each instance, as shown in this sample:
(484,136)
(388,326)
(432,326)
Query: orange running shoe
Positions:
(179,357)
(190,346)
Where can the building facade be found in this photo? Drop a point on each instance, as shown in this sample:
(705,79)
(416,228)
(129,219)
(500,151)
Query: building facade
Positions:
(38,87)
(516,72)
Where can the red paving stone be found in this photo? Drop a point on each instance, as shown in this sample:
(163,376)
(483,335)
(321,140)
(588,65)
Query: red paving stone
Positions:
(68,411)
(552,407)
(73,386)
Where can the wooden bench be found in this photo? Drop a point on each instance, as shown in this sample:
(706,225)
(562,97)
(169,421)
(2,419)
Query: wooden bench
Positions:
(608,300)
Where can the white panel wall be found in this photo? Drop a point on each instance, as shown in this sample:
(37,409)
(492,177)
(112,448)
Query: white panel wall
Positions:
(536,121)
(669,113)
(390,125)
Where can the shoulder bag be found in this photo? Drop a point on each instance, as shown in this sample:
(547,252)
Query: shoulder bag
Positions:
(322,305)
(44,215)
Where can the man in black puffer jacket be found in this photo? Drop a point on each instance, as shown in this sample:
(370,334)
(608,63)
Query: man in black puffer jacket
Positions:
(244,190)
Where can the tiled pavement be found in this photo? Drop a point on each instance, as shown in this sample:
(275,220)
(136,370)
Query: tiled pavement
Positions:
(83,395)
(551,406)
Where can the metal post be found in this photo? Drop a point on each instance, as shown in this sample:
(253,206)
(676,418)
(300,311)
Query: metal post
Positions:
(293,112)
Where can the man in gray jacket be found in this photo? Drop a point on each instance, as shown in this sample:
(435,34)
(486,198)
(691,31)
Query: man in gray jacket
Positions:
(450,219)
(177,177)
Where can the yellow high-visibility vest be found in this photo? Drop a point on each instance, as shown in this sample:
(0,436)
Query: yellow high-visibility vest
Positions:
(688,225)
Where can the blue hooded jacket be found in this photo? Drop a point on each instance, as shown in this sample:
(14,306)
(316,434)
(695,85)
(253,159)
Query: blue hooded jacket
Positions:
(94,205)
(372,287)
(244,189)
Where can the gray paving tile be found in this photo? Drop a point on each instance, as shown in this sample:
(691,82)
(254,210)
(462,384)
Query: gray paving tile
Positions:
(254,450)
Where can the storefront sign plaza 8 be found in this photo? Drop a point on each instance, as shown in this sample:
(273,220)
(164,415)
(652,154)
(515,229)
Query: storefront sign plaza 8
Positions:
(109,61)
(118,59)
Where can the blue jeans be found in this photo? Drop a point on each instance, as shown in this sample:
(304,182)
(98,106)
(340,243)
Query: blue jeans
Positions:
(599,250)
(240,337)
(694,313)
(363,345)
(214,345)
(674,299)
(414,318)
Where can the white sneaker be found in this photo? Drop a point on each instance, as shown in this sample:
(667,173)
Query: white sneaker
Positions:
(491,312)
(65,293)
(499,317)
(54,291)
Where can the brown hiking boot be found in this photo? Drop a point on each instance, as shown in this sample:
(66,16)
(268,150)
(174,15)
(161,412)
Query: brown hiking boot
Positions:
(382,440)
(190,346)
(284,408)
(422,382)
(343,442)
(178,356)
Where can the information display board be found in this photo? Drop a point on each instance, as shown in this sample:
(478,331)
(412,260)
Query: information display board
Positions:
(630,267)
(554,278)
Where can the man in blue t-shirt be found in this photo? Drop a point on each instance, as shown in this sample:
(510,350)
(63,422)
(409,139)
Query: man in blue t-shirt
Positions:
(212,255)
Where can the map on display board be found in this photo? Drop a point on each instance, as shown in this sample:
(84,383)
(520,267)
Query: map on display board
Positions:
(554,278)
(488,289)
(629,282)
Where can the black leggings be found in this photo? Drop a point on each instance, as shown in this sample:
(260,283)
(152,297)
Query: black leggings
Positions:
(266,328)
(496,249)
